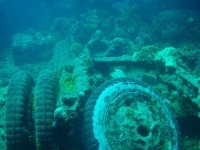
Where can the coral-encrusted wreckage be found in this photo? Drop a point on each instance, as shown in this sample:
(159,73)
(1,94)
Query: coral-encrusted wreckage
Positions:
(109,81)
(127,114)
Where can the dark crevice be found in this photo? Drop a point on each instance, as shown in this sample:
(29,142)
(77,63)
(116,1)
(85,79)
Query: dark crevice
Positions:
(189,126)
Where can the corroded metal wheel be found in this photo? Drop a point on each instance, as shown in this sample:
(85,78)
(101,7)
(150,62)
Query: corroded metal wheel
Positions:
(127,114)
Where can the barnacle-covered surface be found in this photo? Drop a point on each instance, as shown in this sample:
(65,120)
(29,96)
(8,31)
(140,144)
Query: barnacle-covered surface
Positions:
(136,120)
(86,43)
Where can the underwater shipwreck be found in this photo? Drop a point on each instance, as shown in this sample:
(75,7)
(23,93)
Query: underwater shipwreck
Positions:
(113,80)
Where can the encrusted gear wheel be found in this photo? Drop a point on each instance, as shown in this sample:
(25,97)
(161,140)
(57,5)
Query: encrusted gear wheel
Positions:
(16,111)
(45,98)
(126,114)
